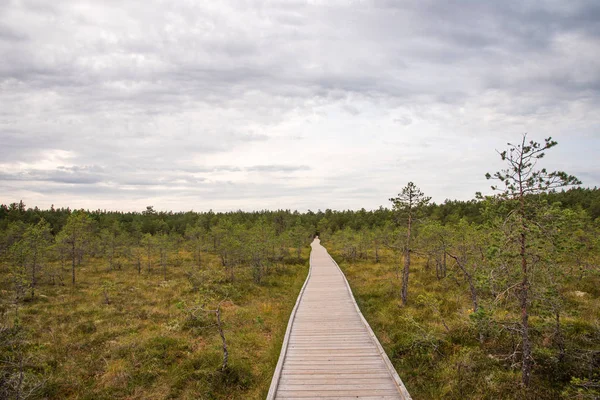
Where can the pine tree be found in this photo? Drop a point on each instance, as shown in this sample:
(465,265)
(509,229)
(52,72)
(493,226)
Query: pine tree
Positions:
(522,182)
(408,205)
(76,236)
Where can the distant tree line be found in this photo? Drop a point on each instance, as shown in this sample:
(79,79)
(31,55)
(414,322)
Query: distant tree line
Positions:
(152,221)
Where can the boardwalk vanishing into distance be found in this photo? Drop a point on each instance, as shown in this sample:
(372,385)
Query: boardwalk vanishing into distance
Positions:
(329,350)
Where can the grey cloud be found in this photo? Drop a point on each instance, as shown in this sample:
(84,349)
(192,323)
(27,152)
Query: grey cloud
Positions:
(351,109)
(150,177)
(170,182)
(57,176)
(80,169)
(253,168)
(20,145)
(152,93)
(234,60)
(216,168)
(405,120)
(277,168)
(11,35)
(216,191)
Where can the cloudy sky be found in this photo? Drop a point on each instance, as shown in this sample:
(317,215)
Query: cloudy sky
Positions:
(287,103)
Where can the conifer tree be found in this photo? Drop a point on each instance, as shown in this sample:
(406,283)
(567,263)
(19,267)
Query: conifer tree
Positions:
(76,236)
(408,204)
(522,182)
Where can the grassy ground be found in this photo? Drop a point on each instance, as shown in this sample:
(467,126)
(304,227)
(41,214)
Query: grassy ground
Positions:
(434,345)
(144,344)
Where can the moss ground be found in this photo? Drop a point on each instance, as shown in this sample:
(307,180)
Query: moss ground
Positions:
(143,344)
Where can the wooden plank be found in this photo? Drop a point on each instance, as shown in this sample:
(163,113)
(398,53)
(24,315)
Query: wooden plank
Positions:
(344,397)
(345,373)
(339,393)
(332,380)
(388,385)
(334,369)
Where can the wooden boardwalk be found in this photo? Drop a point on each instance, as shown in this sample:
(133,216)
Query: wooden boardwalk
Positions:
(329,350)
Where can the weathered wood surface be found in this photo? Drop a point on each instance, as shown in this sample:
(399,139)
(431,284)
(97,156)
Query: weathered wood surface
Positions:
(329,350)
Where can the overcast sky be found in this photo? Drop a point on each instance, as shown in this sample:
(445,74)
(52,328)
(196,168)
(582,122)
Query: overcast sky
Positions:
(286,103)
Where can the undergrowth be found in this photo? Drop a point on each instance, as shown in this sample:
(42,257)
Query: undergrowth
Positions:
(434,344)
(120,335)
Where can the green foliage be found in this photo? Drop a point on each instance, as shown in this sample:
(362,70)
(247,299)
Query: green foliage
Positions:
(511,309)
(137,324)
(410,199)
(136,223)
(526,231)
(75,238)
(435,342)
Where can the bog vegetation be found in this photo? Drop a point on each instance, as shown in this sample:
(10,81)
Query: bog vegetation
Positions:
(497,297)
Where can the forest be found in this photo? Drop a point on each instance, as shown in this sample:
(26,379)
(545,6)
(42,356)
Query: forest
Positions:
(494,297)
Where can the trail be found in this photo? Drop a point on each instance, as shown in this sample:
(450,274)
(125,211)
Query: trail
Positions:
(329,350)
